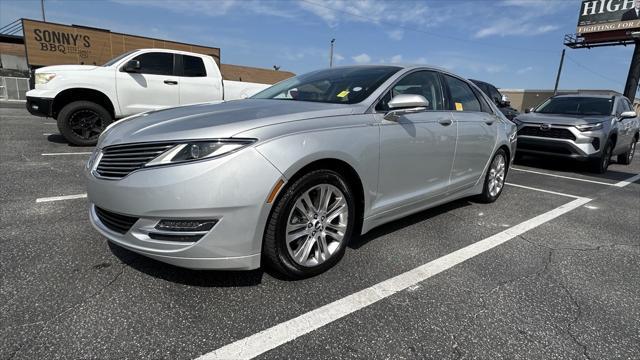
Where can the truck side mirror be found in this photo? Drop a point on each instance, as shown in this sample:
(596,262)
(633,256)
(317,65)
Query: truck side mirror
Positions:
(131,66)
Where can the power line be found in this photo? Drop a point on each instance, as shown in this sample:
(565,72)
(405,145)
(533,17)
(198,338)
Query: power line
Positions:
(420,30)
(593,72)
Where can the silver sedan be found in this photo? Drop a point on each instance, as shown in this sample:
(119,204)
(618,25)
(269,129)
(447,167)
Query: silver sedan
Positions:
(291,175)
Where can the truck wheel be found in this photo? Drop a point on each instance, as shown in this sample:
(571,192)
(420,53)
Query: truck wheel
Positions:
(627,156)
(599,165)
(81,122)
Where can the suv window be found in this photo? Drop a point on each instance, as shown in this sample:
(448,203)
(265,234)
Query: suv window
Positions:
(193,66)
(484,104)
(156,63)
(494,94)
(425,83)
(462,97)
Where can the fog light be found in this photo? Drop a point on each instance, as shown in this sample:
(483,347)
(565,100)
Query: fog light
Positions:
(596,143)
(186,225)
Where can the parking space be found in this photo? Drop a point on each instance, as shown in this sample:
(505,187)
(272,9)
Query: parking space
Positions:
(548,271)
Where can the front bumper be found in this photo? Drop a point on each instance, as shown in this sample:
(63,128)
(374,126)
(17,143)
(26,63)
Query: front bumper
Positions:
(232,189)
(583,145)
(40,106)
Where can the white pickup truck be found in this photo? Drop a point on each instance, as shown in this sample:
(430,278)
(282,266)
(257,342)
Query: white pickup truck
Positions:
(85,99)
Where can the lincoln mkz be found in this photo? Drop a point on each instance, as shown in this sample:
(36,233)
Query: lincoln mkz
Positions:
(289,176)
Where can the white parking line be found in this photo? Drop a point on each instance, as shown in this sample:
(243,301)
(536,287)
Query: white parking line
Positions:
(67,153)
(562,176)
(628,181)
(50,123)
(282,333)
(543,190)
(59,198)
(47,134)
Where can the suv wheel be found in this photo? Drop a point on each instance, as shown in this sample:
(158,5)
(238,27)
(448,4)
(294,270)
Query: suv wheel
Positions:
(627,157)
(600,164)
(310,225)
(81,122)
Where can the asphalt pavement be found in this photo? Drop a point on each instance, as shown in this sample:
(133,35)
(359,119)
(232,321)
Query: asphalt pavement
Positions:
(560,280)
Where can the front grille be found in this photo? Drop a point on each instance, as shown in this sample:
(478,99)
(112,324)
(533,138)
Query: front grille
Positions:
(119,161)
(554,133)
(116,222)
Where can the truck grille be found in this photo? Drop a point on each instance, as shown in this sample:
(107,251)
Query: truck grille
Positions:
(119,161)
(554,133)
(116,222)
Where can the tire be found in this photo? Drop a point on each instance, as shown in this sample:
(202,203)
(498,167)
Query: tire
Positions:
(495,178)
(627,157)
(600,164)
(81,122)
(288,257)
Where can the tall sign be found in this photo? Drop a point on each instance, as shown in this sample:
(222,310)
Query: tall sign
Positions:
(609,15)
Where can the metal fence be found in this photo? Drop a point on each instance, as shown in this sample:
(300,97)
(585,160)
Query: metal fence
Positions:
(13,88)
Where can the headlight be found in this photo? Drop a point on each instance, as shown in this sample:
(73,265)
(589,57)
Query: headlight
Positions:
(43,78)
(199,150)
(589,127)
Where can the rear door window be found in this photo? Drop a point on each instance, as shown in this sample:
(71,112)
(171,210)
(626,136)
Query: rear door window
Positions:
(193,66)
(462,97)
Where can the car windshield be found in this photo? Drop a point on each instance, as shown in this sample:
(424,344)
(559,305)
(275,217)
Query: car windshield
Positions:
(577,106)
(344,85)
(117,58)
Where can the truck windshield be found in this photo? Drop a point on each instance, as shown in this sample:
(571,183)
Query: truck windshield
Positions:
(577,106)
(344,85)
(117,58)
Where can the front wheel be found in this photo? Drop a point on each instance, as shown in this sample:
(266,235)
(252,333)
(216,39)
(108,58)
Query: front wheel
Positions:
(310,225)
(81,122)
(627,157)
(495,178)
(601,164)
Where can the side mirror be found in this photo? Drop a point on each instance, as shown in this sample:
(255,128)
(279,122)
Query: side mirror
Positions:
(405,104)
(628,115)
(526,111)
(505,101)
(131,66)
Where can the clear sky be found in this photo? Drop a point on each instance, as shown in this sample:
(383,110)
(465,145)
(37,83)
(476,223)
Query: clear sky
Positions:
(511,43)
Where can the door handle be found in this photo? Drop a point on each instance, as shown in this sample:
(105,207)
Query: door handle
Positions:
(445,122)
(171,82)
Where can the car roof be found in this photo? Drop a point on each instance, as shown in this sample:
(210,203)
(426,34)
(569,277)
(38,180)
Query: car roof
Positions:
(597,96)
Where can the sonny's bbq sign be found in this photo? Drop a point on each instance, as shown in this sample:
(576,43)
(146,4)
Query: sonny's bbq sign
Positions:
(57,44)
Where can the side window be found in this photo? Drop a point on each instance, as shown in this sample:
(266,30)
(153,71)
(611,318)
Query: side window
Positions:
(495,95)
(425,83)
(156,63)
(627,105)
(193,66)
(621,107)
(462,97)
(484,101)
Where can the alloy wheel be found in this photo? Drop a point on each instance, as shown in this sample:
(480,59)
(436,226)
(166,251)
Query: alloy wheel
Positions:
(497,175)
(316,225)
(86,124)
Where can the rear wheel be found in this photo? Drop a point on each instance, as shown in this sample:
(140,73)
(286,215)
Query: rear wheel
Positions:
(627,157)
(601,164)
(310,225)
(81,122)
(495,178)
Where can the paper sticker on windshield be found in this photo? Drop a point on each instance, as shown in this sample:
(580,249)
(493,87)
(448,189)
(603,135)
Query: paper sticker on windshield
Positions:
(343,93)
(459,107)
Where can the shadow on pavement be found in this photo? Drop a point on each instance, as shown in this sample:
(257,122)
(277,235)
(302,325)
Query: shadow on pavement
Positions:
(572,166)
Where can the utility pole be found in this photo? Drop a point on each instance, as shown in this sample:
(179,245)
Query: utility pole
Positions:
(634,74)
(42,8)
(555,89)
(331,53)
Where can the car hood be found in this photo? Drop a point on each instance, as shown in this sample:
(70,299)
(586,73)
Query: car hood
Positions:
(558,119)
(59,68)
(215,120)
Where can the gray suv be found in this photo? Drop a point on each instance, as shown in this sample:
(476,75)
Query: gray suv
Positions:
(583,127)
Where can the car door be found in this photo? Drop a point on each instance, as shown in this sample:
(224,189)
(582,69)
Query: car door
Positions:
(417,149)
(153,86)
(195,84)
(624,126)
(477,132)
